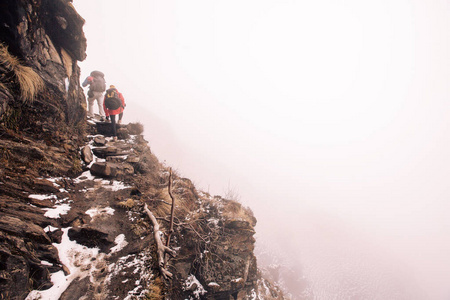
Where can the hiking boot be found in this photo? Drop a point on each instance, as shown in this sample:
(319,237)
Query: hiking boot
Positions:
(119,122)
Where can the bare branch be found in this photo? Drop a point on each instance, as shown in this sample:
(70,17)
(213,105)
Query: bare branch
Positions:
(171,214)
(161,248)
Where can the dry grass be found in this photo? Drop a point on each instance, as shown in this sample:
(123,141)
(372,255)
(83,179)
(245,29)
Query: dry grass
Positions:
(28,81)
(235,210)
(128,204)
(161,210)
(155,290)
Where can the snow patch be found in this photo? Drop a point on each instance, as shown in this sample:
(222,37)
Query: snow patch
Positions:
(213,284)
(120,243)
(41,197)
(71,255)
(114,185)
(93,212)
(50,228)
(192,284)
(86,175)
(139,264)
(57,211)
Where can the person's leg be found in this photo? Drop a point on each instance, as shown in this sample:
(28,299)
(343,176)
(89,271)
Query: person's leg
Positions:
(120,118)
(113,124)
(100,99)
(91,106)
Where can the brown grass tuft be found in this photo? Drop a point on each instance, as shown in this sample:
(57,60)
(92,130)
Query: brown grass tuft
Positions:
(162,210)
(28,81)
(235,210)
(128,204)
(155,291)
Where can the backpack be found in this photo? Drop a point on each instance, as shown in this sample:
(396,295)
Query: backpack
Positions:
(112,99)
(98,83)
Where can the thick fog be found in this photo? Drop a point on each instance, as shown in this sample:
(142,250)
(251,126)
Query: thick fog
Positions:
(328,118)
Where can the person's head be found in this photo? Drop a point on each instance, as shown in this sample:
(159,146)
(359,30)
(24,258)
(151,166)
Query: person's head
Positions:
(112,86)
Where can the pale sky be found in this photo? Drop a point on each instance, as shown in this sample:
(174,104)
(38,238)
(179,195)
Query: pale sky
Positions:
(338,108)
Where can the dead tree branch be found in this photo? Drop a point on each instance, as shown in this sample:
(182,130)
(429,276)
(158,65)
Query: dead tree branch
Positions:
(161,248)
(169,234)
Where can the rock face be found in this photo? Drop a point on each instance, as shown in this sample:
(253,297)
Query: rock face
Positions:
(45,37)
(85,207)
(41,125)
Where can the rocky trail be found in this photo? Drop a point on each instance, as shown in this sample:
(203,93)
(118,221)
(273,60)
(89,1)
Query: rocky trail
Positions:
(87,226)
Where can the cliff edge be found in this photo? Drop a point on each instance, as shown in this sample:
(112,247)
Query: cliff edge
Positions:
(72,217)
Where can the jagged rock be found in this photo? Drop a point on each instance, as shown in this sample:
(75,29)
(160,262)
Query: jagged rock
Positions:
(20,228)
(44,186)
(55,236)
(45,203)
(100,140)
(86,154)
(74,217)
(91,237)
(122,133)
(104,152)
(48,253)
(15,275)
(26,213)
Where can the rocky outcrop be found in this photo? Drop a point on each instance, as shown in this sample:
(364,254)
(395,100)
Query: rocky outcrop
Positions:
(42,120)
(44,38)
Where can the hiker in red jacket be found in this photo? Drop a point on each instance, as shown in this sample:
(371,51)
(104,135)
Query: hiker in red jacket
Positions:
(113,105)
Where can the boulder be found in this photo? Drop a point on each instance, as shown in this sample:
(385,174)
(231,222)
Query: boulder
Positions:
(111,169)
(104,152)
(122,133)
(100,140)
(101,169)
(91,238)
(86,155)
(106,128)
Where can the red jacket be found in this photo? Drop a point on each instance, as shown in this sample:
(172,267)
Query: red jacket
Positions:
(113,112)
